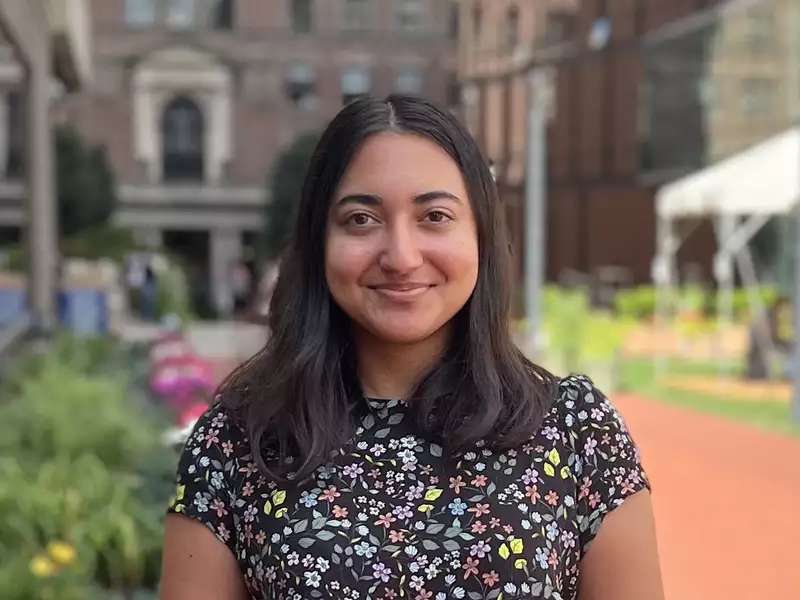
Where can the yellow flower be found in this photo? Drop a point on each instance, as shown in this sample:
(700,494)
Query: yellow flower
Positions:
(61,552)
(41,566)
(433,494)
(517,545)
(278,497)
(179,492)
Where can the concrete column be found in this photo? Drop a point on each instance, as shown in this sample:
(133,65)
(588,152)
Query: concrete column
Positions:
(4,134)
(41,205)
(225,251)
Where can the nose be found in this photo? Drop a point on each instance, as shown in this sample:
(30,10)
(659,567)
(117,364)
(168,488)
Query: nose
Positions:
(401,253)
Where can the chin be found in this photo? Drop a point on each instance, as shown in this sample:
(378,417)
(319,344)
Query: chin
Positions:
(401,334)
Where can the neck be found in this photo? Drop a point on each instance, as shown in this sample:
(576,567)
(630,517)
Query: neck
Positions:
(392,371)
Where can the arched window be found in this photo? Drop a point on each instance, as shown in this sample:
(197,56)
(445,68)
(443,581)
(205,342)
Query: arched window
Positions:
(512,27)
(182,130)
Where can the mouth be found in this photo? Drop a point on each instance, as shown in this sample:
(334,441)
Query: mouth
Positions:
(401,291)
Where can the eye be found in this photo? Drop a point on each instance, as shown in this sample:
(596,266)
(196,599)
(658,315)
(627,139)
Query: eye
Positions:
(438,216)
(360,219)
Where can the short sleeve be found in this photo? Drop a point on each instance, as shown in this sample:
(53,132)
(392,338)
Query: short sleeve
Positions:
(208,472)
(609,467)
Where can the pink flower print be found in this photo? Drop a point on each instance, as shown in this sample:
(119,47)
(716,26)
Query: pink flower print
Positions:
(227,447)
(594,499)
(397,536)
(627,488)
(330,494)
(470,567)
(553,559)
(532,492)
(223,532)
(494,522)
(386,520)
(219,506)
(479,509)
(490,578)
(456,483)
(212,438)
(508,529)
(261,537)
(586,486)
(423,595)
(248,489)
(249,469)
(478,527)
(339,512)
(479,480)
(551,498)
(389,594)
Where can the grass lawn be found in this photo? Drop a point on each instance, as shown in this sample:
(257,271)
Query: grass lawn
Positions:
(639,376)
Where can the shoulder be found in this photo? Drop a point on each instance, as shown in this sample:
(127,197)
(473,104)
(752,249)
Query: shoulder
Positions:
(579,405)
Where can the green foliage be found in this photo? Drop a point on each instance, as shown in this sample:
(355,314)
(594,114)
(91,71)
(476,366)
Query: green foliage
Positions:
(285,186)
(636,303)
(100,242)
(85,183)
(578,336)
(82,466)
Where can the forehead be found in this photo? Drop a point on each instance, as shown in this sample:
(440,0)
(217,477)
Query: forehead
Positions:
(401,164)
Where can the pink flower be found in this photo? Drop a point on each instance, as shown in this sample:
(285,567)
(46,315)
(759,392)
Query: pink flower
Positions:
(532,492)
(340,512)
(594,499)
(456,483)
(248,489)
(494,522)
(479,509)
(551,498)
(219,506)
(423,595)
(478,527)
(490,578)
(397,536)
(330,494)
(470,567)
(386,520)
(227,447)
(479,480)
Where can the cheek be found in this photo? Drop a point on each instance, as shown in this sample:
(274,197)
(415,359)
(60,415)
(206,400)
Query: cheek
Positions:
(346,261)
(458,262)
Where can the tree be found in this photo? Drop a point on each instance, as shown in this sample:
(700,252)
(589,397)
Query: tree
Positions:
(286,185)
(85,183)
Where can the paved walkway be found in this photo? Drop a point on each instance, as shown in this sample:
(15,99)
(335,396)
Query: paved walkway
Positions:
(727,503)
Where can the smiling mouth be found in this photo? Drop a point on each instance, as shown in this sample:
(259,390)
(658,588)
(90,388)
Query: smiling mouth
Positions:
(401,291)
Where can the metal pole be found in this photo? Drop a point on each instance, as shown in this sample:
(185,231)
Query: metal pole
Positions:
(535,207)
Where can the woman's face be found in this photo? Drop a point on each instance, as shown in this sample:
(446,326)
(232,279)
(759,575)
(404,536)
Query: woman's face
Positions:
(401,252)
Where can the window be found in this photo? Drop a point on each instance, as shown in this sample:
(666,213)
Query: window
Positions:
(410,15)
(760,28)
(757,97)
(301,86)
(15,165)
(357,15)
(301,16)
(182,130)
(512,27)
(558,27)
(452,26)
(221,14)
(140,13)
(600,33)
(355,83)
(409,81)
(477,22)
(180,14)
(453,91)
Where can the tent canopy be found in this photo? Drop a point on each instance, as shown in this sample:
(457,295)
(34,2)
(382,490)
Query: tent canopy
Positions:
(762,180)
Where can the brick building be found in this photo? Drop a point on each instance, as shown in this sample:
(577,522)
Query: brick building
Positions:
(193,99)
(600,209)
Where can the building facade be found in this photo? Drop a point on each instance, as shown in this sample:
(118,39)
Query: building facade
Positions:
(194,99)
(600,207)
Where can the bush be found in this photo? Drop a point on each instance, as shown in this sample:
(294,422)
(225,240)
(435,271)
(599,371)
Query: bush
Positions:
(83,479)
(173,296)
(636,303)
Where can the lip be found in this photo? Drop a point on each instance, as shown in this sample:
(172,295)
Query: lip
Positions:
(401,291)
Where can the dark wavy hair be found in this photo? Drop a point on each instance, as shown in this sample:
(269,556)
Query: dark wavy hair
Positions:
(299,397)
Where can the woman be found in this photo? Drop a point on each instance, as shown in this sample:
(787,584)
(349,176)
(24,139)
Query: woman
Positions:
(390,441)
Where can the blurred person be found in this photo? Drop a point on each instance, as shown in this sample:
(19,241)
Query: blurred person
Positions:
(390,440)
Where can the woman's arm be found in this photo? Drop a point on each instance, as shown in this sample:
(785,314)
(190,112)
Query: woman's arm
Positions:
(621,563)
(196,565)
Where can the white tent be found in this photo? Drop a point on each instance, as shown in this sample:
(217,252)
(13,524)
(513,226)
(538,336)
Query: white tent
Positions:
(739,194)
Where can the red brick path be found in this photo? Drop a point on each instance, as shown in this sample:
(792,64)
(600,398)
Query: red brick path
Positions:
(727,503)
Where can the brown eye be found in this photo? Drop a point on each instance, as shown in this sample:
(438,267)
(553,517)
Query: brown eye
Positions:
(360,219)
(437,216)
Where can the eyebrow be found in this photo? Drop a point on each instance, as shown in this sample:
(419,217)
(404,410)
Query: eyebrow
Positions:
(374,200)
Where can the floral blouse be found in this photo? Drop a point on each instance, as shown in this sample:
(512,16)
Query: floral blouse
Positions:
(389,518)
